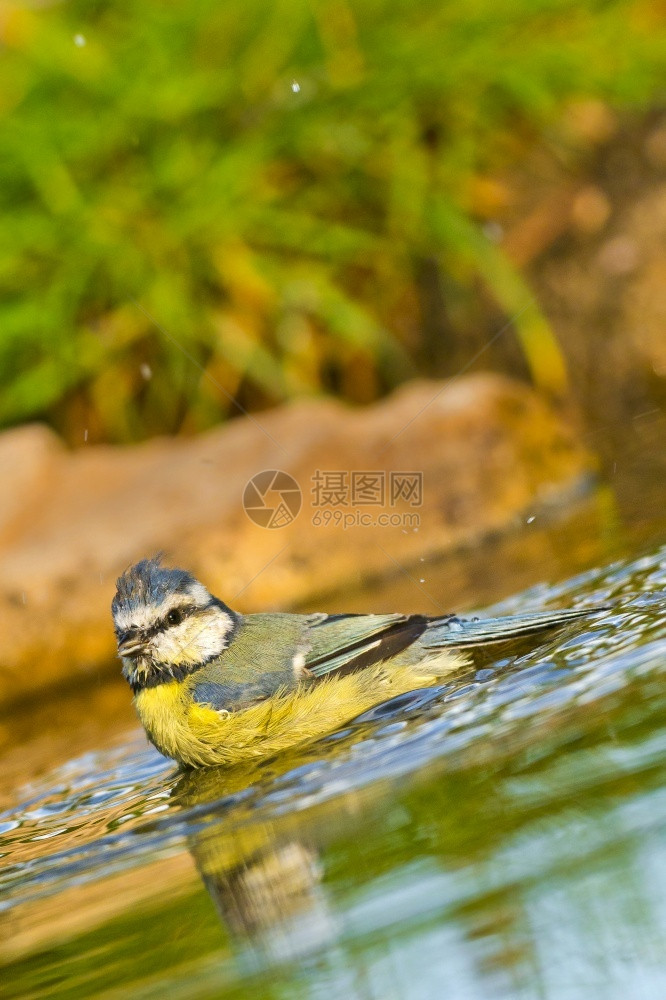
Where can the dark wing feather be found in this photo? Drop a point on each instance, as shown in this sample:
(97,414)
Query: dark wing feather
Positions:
(350,642)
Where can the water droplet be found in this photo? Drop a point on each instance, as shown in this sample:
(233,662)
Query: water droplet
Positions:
(532,518)
(295,86)
(79,41)
(146,372)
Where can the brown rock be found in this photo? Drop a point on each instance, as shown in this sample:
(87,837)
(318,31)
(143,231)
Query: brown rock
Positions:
(28,456)
(487,448)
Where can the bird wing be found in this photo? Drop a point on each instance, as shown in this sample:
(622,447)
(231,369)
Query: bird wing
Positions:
(349,642)
(262,658)
(343,643)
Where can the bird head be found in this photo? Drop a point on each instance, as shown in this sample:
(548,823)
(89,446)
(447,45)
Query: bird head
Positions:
(167,624)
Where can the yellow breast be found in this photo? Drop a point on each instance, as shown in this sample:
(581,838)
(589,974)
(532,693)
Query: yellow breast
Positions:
(197,736)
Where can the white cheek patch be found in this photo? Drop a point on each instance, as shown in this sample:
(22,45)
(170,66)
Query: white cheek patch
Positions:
(198,639)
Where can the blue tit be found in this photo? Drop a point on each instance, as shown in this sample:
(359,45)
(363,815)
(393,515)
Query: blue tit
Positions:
(212,686)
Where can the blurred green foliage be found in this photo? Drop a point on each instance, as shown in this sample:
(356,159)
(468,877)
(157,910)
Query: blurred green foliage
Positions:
(264,182)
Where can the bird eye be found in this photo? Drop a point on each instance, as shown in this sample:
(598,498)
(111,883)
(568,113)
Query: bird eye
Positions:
(174,617)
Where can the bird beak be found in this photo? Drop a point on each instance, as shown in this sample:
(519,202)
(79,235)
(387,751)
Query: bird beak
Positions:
(131,645)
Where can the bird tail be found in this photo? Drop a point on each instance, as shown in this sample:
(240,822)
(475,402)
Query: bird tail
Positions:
(457,632)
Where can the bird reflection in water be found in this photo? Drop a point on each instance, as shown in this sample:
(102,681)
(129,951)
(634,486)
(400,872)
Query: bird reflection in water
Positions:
(264,880)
